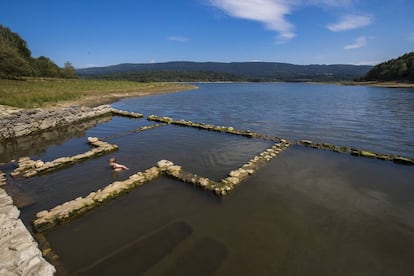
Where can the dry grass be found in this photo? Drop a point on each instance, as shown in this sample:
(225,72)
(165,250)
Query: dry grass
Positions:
(31,93)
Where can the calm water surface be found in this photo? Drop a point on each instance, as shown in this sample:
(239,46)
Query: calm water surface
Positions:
(349,216)
(377,119)
(309,212)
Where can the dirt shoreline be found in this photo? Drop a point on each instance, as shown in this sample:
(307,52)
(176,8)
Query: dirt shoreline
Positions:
(97,100)
(386,84)
(108,98)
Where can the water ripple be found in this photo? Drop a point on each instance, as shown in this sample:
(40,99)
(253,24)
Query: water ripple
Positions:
(377,119)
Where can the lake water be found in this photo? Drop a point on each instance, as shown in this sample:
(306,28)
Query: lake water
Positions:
(377,119)
(308,212)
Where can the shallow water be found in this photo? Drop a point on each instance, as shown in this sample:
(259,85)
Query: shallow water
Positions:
(308,212)
(204,153)
(376,119)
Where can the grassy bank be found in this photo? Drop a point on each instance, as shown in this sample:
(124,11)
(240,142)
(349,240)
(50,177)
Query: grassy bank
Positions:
(31,93)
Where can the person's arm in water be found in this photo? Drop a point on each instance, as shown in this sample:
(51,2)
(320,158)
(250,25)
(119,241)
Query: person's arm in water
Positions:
(117,166)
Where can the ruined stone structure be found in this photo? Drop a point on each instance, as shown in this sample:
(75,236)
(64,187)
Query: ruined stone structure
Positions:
(19,253)
(27,167)
(27,121)
(59,214)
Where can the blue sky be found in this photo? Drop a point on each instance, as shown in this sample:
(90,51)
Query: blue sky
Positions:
(105,32)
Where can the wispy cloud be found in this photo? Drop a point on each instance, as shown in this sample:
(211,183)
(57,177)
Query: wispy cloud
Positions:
(358,43)
(350,22)
(271,13)
(178,38)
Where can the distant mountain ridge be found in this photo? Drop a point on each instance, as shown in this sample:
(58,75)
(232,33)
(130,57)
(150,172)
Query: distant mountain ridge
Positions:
(251,71)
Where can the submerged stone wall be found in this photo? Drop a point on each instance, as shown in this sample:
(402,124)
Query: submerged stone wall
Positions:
(326,146)
(210,127)
(28,167)
(234,178)
(358,152)
(19,253)
(49,218)
(126,113)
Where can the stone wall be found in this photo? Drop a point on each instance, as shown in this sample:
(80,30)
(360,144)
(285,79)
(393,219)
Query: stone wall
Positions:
(307,143)
(28,167)
(26,121)
(12,149)
(19,253)
(358,152)
(47,219)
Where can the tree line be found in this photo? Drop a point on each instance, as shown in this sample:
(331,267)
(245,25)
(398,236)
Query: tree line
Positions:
(16,60)
(399,69)
(233,71)
(169,76)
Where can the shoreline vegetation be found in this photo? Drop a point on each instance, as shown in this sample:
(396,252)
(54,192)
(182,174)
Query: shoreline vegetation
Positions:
(52,92)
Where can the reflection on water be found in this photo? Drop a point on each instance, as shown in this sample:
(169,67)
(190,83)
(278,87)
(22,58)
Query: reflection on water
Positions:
(308,213)
(204,153)
(376,119)
(38,143)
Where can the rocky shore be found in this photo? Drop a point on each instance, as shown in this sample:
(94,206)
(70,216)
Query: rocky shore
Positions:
(17,123)
(19,253)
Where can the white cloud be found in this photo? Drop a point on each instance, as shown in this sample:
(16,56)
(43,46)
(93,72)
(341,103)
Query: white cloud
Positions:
(271,13)
(178,38)
(349,22)
(358,43)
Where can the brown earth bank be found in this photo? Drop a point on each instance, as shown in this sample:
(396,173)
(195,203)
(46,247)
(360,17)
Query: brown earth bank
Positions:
(386,84)
(107,98)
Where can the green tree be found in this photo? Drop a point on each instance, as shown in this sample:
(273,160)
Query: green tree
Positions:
(402,70)
(44,67)
(13,40)
(14,55)
(68,71)
(12,65)
(399,69)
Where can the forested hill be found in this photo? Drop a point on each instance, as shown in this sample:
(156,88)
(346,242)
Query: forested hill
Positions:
(399,69)
(16,59)
(250,71)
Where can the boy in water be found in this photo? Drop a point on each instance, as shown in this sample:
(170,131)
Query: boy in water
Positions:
(115,166)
